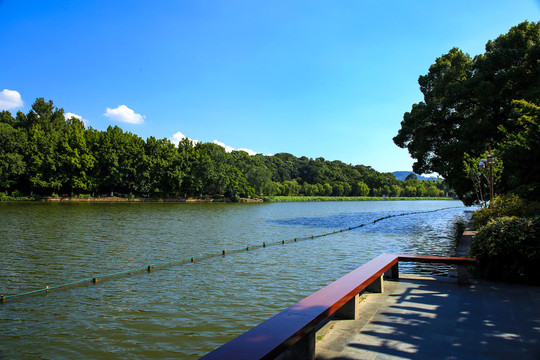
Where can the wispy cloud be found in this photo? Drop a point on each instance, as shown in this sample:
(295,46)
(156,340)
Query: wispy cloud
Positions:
(70,115)
(10,99)
(124,114)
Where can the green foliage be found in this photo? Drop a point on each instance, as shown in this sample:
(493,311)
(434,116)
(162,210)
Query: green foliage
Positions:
(16,196)
(508,248)
(17,193)
(411,176)
(481,178)
(43,153)
(82,196)
(507,205)
(342,198)
(520,151)
(468,106)
(361,188)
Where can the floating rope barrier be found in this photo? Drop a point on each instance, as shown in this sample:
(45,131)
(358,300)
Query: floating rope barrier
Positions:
(151,267)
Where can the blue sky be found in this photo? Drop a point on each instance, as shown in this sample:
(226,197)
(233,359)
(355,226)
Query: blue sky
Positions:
(325,79)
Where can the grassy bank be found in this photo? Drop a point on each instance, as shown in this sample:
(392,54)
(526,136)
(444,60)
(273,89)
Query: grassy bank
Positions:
(88,198)
(344,198)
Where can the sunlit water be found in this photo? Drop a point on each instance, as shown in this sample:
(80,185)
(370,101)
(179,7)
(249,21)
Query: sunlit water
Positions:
(186,310)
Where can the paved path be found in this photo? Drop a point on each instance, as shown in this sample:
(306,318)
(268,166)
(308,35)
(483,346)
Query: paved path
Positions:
(435,318)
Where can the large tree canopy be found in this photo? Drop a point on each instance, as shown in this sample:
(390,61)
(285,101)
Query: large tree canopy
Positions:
(468,104)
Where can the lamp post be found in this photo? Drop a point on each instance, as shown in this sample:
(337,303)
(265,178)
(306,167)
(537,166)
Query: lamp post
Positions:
(489,161)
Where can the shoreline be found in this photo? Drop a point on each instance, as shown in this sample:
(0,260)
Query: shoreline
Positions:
(269,199)
(150,200)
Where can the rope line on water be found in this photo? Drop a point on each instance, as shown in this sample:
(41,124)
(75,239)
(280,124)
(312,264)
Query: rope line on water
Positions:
(151,267)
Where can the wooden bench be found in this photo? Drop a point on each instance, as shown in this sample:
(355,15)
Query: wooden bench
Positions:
(291,333)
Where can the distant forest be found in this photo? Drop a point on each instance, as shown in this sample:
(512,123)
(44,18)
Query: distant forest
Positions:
(43,153)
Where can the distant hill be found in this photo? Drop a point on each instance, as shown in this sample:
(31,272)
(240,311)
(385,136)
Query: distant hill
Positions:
(401,175)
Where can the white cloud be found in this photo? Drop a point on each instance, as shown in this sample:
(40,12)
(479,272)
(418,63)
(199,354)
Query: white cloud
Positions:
(124,114)
(227,148)
(249,151)
(178,136)
(231,149)
(70,115)
(10,99)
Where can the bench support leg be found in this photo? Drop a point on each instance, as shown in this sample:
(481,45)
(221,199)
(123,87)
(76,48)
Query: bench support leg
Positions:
(304,349)
(463,274)
(377,286)
(392,273)
(350,309)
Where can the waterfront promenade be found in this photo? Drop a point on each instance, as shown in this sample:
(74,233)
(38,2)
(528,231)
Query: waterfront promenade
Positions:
(435,318)
(420,317)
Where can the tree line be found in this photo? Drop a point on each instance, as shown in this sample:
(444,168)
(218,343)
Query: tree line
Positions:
(43,153)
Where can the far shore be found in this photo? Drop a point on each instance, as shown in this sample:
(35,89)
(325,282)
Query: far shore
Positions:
(171,200)
(108,199)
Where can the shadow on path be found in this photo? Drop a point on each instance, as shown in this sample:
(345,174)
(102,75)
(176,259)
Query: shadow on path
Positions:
(428,318)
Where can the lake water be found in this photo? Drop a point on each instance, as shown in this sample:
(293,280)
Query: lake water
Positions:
(184,311)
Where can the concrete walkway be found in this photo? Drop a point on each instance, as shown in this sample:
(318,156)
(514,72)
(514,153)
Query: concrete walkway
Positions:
(435,318)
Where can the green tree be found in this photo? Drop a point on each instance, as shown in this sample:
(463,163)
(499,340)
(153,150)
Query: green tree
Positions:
(432,191)
(308,189)
(73,157)
(12,143)
(327,189)
(337,189)
(44,125)
(272,189)
(409,191)
(211,168)
(188,157)
(396,190)
(163,169)
(237,185)
(411,176)
(480,178)
(259,178)
(361,189)
(291,188)
(119,156)
(468,101)
(520,152)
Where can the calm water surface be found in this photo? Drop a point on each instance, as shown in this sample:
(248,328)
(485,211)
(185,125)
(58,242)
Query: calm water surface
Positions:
(187,310)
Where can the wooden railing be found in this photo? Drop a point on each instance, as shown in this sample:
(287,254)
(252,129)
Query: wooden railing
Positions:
(291,333)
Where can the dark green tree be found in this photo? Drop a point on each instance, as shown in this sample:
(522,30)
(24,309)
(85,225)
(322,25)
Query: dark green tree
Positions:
(520,152)
(467,101)
(411,176)
(12,144)
(44,124)
(73,157)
